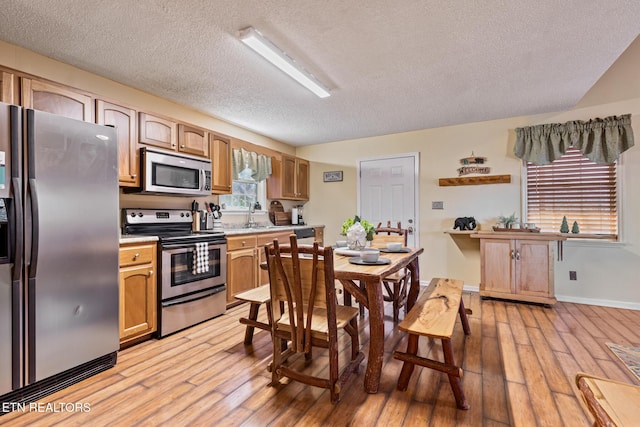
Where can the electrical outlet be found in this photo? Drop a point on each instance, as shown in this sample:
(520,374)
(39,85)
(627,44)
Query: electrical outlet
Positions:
(437,205)
(573,275)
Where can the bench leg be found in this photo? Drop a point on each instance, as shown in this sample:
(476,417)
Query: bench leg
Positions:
(407,367)
(456,384)
(253,315)
(463,318)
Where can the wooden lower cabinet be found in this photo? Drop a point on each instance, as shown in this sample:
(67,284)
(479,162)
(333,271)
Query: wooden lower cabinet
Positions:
(242,271)
(518,268)
(244,254)
(138,292)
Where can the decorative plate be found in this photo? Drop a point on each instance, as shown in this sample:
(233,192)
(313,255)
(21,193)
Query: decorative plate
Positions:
(359,261)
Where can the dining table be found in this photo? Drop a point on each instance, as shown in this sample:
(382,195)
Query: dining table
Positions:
(364,283)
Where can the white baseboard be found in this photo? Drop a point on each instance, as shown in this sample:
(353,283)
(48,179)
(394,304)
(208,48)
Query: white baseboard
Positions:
(569,298)
(602,302)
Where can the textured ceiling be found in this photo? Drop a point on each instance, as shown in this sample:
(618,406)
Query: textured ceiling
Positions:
(392,65)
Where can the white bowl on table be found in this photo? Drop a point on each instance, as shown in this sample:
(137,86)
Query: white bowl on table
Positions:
(394,246)
(370,255)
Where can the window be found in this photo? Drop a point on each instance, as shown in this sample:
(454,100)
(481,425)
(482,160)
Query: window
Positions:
(575,187)
(244,194)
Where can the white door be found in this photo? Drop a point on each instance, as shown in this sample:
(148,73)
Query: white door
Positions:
(388,191)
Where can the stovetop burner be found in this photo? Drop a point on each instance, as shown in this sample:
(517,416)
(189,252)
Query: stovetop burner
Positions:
(169,225)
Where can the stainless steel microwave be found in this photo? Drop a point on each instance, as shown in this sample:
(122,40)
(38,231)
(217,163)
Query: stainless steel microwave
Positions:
(171,173)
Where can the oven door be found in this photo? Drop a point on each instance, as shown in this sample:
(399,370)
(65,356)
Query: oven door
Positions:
(179,274)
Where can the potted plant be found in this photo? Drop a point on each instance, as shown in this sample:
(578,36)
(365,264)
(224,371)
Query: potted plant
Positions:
(508,221)
(358,231)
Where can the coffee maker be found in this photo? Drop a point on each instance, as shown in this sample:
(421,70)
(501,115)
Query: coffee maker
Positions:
(296,215)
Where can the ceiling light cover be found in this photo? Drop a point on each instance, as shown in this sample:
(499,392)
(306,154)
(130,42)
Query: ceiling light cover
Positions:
(272,53)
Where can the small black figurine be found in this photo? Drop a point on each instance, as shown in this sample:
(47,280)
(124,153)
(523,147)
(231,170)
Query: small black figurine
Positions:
(465,223)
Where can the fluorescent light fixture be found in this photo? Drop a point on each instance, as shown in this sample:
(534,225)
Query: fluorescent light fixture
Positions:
(272,53)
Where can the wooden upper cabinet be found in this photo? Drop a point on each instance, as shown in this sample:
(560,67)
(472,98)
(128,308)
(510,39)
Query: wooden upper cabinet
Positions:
(157,131)
(302,179)
(220,165)
(193,140)
(124,119)
(289,179)
(56,99)
(7,87)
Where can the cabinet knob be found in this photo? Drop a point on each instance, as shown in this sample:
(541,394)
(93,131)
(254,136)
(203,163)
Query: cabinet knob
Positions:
(136,256)
(150,273)
(244,243)
(134,176)
(517,255)
(182,146)
(173,145)
(513,254)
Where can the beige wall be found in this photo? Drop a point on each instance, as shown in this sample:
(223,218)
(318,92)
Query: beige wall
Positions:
(608,273)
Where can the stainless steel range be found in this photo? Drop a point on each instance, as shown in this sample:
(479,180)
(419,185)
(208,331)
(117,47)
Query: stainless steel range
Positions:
(192,265)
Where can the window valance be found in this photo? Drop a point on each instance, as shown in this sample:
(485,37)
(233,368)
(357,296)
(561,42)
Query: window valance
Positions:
(599,140)
(258,164)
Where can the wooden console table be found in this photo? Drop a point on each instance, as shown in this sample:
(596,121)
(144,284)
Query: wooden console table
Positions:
(518,265)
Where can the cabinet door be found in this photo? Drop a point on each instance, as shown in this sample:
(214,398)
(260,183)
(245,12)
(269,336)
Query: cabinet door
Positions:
(220,165)
(288,178)
(534,268)
(157,131)
(56,100)
(124,120)
(242,271)
(302,179)
(7,87)
(193,140)
(497,266)
(137,301)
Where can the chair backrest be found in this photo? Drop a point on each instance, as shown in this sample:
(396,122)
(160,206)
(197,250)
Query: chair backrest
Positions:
(388,234)
(302,277)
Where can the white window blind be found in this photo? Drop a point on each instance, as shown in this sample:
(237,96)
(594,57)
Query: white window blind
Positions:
(575,187)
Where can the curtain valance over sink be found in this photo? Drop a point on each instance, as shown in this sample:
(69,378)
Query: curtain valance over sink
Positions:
(243,161)
(599,140)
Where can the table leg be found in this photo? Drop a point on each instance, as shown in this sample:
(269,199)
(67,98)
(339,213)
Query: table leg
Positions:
(376,340)
(414,289)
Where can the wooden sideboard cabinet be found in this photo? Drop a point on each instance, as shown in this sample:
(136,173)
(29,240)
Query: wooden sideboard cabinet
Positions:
(138,292)
(518,266)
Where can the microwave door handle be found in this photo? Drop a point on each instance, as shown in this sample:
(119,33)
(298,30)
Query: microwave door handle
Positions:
(203,179)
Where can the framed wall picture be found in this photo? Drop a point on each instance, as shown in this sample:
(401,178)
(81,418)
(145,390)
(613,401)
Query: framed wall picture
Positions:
(333,176)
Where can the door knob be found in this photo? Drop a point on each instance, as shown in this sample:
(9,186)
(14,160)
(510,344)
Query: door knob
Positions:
(409,229)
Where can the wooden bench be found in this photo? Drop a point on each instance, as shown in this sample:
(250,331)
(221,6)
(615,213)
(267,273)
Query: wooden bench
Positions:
(256,297)
(434,315)
(612,403)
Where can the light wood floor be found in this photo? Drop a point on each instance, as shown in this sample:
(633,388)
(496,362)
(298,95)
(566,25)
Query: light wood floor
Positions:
(519,356)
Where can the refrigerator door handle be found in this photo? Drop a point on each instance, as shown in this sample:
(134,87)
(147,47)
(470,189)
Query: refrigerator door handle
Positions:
(18,222)
(35,235)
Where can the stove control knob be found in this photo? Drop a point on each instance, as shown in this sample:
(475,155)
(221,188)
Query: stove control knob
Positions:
(133,214)
(182,214)
(187,214)
(140,215)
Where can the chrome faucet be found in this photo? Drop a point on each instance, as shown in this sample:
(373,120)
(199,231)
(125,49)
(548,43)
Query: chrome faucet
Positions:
(250,221)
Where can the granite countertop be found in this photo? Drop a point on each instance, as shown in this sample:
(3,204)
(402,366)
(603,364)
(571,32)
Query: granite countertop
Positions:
(132,238)
(267,229)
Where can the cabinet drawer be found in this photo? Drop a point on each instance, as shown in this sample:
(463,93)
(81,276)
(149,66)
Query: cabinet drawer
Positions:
(282,236)
(241,242)
(134,255)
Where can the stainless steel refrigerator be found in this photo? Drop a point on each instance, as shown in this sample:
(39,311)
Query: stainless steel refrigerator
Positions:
(58,252)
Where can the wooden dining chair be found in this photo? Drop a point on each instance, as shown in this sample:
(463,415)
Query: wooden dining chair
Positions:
(303,279)
(396,284)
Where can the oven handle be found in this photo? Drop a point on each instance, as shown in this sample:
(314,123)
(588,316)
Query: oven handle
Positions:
(212,245)
(192,298)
